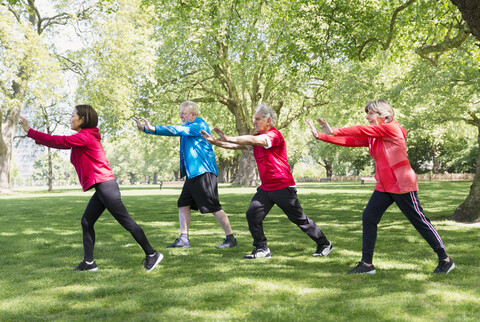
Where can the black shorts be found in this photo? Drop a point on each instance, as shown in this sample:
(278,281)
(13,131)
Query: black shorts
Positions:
(201,193)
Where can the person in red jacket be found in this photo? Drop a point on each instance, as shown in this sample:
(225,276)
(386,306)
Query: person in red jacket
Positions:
(396,180)
(278,186)
(91,165)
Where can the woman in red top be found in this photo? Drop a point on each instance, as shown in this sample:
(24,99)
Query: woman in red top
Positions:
(396,180)
(88,158)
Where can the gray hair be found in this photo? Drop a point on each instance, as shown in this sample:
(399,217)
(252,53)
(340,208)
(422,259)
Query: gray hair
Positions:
(382,107)
(267,112)
(192,106)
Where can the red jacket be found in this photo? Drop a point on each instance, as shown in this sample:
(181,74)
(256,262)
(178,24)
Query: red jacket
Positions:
(87,155)
(386,145)
(272,163)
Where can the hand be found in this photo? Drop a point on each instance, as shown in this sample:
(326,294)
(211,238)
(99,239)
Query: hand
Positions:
(325,126)
(145,125)
(313,129)
(210,139)
(25,125)
(222,135)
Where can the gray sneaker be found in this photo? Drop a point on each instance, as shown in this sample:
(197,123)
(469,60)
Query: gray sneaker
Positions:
(323,250)
(180,243)
(228,242)
(259,253)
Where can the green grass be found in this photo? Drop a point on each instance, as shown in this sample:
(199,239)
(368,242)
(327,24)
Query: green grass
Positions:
(40,244)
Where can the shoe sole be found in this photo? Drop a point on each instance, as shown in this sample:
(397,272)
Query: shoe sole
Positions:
(156,263)
(250,258)
(177,246)
(322,255)
(364,273)
(222,247)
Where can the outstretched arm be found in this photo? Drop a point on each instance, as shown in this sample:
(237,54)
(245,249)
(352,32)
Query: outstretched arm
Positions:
(145,125)
(343,140)
(220,141)
(242,139)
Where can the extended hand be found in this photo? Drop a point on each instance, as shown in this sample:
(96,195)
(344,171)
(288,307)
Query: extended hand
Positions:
(145,125)
(24,123)
(222,135)
(325,126)
(313,129)
(207,136)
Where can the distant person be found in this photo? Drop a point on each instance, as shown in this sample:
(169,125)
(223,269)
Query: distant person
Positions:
(197,163)
(396,180)
(278,185)
(93,171)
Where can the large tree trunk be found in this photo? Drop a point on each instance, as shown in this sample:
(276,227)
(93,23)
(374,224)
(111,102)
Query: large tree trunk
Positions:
(223,169)
(470,10)
(5,154)
(469,210)
(247,174)
(6,140)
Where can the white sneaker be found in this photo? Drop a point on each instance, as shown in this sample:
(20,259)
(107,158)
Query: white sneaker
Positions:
(259,253)
(323,250)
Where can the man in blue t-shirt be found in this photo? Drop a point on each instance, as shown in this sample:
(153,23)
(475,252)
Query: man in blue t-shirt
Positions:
(197,163)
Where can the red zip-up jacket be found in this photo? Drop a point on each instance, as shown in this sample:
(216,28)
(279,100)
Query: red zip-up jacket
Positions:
(87,156)
(386,144)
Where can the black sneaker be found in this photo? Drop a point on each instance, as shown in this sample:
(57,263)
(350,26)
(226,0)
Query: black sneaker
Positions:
(361,268)
(444,267)
(227,242)
(150,262)
(83,266)
(323,250)
(259,253)
(180,243)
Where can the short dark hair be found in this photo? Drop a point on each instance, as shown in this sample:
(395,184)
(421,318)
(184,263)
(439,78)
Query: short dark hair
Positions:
(90,117)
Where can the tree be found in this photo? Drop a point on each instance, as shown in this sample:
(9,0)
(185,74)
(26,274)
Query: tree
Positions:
(135,157)
(28,65)
(49,118)
(470,10)
(237,54)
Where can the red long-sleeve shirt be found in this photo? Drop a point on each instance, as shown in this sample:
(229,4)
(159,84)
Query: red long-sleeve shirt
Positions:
(87,154)
(386,144)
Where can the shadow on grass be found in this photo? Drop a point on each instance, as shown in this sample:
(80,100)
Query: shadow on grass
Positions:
(40,242)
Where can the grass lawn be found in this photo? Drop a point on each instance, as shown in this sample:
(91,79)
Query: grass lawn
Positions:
(41,243)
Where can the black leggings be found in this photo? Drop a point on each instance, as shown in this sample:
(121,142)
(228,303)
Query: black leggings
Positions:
(107,196)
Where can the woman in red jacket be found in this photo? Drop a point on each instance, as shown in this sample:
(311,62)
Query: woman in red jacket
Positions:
(396,180)
(88,158)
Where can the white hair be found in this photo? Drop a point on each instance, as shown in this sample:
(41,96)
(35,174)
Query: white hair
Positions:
(192,106)
(267,112)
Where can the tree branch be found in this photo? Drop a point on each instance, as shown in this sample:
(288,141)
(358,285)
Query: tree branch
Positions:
(447,44)
(385,45)
(291,118)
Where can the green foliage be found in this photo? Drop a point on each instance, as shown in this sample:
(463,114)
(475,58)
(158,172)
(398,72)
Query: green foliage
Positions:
(62,171)
(119,59)
(203,283)
(136,157)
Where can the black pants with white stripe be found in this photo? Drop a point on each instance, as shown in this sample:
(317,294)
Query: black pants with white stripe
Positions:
(411,208)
